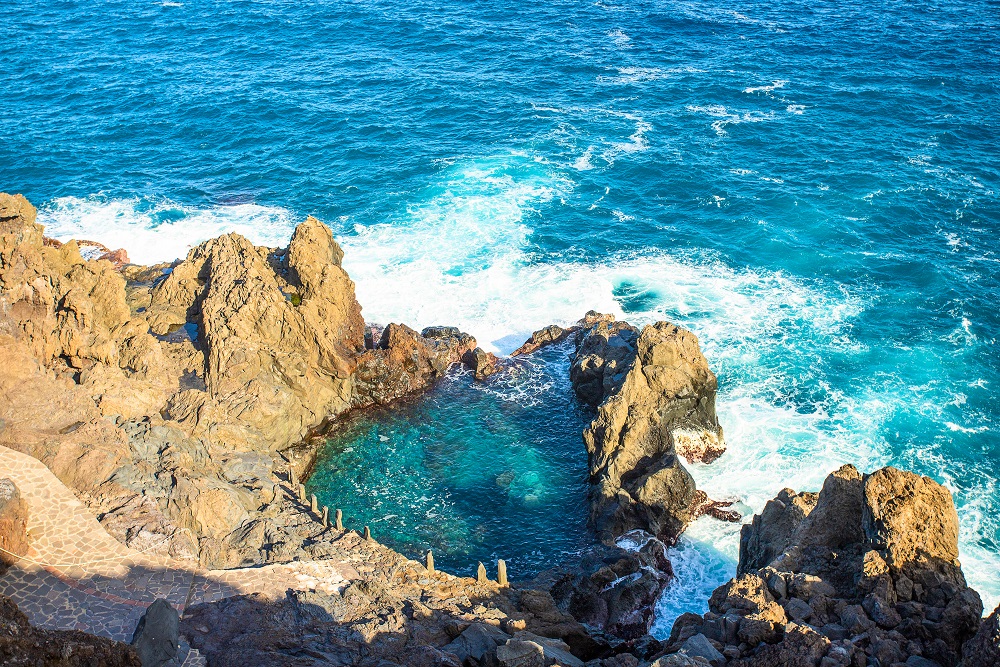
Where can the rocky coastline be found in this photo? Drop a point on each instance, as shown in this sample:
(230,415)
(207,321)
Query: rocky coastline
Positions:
(182,402)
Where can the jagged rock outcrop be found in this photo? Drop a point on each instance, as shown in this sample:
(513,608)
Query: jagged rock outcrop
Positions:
(22,645)
(611,589)
(280,333)
(164,395)
(404,361)
(983,650)
(13,525)
(482,363)
(67,309)
(655,399)
(865,572)
(550,335)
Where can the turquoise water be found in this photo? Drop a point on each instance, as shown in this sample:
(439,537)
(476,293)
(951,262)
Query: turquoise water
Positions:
(475,471)
(811,188)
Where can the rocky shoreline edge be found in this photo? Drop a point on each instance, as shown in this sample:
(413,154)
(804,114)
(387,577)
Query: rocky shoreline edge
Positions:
(176,401)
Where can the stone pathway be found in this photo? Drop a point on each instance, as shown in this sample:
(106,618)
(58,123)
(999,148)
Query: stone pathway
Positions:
(77,577)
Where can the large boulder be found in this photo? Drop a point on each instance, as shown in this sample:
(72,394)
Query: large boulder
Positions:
(529,650)
(612,589)
(156,636)
(655,398)
(477,644)
(911,520)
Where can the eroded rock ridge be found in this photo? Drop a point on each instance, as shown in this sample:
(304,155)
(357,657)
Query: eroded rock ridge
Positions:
(865,572)
(166,395)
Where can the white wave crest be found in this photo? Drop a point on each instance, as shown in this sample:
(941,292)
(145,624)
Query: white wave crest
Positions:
(159,230)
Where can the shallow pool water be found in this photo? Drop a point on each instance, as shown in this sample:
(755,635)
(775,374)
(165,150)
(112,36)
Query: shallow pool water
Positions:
(475,471)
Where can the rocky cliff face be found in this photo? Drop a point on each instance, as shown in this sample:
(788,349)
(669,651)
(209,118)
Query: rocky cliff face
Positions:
(864,572)
(280,332)
(164,395)
(655,400)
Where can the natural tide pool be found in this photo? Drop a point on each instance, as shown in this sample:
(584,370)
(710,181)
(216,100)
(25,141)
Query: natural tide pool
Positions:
(475,471)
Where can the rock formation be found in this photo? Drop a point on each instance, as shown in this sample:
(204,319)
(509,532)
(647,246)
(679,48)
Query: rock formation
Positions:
(864,572)
(165,395)
(156,635)
(22,645)
(983,650)
(611,589)
(174,400)
(403,361)
(549,335)
(655,401)
(397,613)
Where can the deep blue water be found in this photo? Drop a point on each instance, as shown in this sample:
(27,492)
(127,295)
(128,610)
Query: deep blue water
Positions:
(812,188)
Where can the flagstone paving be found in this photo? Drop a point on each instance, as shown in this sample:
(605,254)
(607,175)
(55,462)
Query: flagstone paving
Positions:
(76,576)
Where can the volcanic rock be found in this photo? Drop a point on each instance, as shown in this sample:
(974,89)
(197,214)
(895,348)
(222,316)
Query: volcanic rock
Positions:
(404,361)
(149,390)
(549,335)
(983,650)
(481,363)
(864,572)
(612,589)
(156,635)
(655,397)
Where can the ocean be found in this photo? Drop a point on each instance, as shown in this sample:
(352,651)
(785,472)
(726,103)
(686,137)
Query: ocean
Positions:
(811,188)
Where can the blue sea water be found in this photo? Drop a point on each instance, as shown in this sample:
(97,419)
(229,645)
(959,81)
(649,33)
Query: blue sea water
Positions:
(811,187)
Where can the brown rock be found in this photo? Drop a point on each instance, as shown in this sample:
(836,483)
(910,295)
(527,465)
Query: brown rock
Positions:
(550,335)
(800,646)
(280,335)
(910,519)
(404,361)
(772,531)
(118,258)
(657,390)
(481,363)
(890,540)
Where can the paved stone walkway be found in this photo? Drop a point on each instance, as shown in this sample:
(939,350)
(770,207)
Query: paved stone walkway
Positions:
(76,576)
